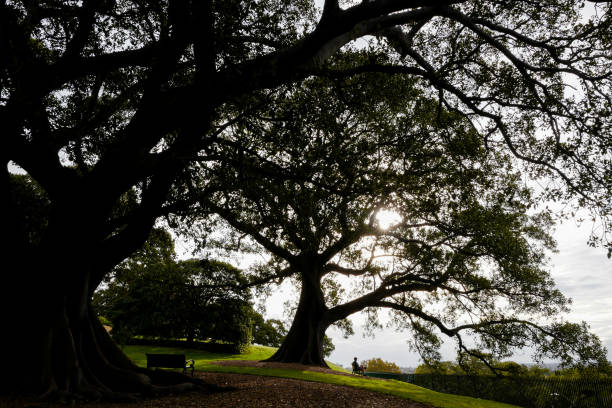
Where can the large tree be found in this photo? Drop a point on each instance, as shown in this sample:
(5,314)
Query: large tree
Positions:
(99,98)
(154,295)
(466,253)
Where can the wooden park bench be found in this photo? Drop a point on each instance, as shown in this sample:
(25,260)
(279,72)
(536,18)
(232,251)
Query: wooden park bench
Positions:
(170,361)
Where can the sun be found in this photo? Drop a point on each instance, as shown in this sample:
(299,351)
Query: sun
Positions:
(387,218)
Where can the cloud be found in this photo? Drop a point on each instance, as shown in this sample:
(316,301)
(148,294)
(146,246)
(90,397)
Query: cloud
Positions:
(584,274)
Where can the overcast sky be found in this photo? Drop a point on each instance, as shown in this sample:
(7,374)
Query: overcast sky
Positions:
(582,273)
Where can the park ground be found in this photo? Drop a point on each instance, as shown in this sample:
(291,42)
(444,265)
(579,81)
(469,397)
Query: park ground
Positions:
(244,381)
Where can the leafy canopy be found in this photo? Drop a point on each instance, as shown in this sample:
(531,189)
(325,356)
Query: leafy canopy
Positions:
(151,294)
(468,254)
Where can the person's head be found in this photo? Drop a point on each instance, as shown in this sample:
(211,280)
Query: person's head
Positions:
(355,358)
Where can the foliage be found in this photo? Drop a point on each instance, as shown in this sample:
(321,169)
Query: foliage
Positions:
(328,346)
(151,294)
(105,321)
(268,332)
(379,365)
(226,320)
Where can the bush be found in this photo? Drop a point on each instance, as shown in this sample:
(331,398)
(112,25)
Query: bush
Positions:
(378,365)
(151,294)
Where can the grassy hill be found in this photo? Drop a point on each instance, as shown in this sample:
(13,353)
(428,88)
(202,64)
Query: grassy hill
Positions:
(204,362)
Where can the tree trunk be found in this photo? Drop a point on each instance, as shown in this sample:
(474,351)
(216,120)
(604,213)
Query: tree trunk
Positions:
(60,351)
(190,334)
(53,344)
(304,341)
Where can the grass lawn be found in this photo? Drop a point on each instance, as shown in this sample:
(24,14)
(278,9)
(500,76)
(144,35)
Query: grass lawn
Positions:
(201,357)
(400,389)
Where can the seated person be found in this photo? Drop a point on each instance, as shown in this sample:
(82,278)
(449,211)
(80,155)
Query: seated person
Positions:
(357,369)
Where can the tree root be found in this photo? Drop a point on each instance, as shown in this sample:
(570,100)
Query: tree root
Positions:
(151,390)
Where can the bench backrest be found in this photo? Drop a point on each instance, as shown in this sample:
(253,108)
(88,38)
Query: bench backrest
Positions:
(166,360)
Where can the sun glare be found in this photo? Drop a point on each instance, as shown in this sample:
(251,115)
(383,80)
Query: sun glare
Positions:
(387,219)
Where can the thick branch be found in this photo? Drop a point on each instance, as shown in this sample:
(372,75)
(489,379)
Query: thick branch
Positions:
(253,232)
(332,267)
(372,299)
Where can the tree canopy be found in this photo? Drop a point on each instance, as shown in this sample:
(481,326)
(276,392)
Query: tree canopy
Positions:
(152,294)
(103,99)
(466,255)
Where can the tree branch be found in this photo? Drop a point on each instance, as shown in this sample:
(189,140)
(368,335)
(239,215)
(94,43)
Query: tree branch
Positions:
(253,232)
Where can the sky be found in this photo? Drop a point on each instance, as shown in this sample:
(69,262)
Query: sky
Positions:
(580,272)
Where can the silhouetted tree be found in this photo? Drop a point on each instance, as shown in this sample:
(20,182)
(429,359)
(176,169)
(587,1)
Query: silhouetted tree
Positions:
(467,253)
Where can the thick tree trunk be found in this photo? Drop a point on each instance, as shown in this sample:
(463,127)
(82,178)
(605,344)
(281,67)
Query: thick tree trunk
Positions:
(304,341)
(59,350)
(50,343)
(53,345)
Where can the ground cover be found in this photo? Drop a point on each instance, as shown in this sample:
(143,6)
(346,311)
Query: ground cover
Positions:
(209,362)
(201,357)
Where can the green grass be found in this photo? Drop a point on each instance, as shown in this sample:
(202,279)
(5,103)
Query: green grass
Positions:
(400,389)
(201,357)
(204,358)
